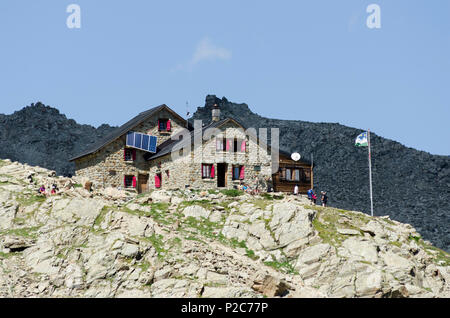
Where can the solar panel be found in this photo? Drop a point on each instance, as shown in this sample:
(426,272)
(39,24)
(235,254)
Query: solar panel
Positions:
(141,141)
(152,146)
(138,140)
(130,138)
(145,141)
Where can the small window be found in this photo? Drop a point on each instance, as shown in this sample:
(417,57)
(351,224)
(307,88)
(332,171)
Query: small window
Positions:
(257,168)
(112,172)
(128,154)
(288,174)
(206,171)
(221,144)
(237,172)
(128,181)
(164,124)
(296,175)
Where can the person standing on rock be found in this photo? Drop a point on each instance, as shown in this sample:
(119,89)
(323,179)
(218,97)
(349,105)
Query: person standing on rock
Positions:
(309,193)
(324,199)
(42,190)
(313,198)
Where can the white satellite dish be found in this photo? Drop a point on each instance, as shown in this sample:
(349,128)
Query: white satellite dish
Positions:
(295,156)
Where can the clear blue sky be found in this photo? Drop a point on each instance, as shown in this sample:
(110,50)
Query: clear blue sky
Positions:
(307,60)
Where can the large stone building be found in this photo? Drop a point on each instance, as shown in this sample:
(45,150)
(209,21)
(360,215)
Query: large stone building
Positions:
(219,154)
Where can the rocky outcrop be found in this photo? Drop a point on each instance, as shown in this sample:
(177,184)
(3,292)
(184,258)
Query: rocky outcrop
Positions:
(411,186)
(39,135)
(107,243)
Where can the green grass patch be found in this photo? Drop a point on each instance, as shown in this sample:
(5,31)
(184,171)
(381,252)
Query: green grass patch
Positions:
(30,200)
(8,255)
(261,203)
(272,197)
(251,254)
(77,185)
(28,232)
(158,244)
(285,267)
(101,216)
(396,243)
(232,192)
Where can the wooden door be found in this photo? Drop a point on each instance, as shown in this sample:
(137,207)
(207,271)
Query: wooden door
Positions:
(142,183)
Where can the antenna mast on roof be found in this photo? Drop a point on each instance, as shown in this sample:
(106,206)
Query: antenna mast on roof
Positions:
(187,114)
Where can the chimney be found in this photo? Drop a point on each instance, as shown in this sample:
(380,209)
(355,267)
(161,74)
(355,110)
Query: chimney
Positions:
(215,113)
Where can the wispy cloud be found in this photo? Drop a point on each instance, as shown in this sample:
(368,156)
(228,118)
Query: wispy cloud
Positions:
(205,51)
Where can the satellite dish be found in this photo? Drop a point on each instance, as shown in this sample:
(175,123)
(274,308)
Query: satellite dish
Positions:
(295,156)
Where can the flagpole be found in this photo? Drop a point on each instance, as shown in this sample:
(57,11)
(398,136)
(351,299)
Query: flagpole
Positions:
(370,173)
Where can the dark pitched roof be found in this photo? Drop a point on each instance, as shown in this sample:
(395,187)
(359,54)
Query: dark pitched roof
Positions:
(166,147)
(120,131)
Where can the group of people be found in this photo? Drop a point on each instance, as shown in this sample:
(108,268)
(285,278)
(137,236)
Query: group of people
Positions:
(258,185)
(43,191)
(313,197)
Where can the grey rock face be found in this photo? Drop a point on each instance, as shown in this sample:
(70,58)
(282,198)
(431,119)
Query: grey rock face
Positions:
(40,135)
(411,186)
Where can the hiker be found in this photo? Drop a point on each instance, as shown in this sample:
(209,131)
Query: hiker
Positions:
(54,189)
(324,198)
(30,177)
(42,190)
(309,192)
(296,189)
(313,198)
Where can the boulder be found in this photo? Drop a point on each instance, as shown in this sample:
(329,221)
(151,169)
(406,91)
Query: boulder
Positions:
(313,254)
(196,211)
(160,196)
(360,249)
(270,286)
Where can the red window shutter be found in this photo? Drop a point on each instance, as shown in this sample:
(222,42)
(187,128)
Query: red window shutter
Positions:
(242,174)
(158,124)
(134,182)
(134,154)
(243,146)
(124,181)
(212,172)
(228,144)
(168,125)
(157,181)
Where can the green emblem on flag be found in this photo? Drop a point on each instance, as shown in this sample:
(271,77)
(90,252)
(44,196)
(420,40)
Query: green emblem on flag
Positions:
(361,140)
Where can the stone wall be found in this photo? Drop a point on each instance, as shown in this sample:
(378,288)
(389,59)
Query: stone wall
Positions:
(107,166)
(186,170)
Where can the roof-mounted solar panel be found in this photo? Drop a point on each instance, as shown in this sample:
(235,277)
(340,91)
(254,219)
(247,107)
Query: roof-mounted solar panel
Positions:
(141,141)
